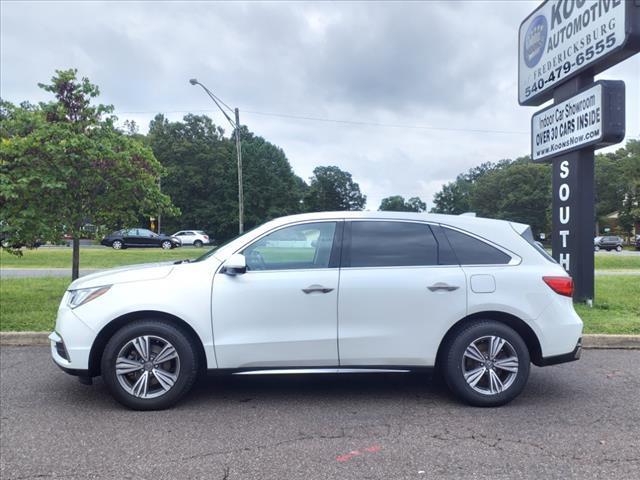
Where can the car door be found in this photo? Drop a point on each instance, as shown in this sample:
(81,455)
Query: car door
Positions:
(283,310)
(189,238)
(131,237)
(400,291)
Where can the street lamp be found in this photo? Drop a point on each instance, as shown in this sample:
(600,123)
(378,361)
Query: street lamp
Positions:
(236,126)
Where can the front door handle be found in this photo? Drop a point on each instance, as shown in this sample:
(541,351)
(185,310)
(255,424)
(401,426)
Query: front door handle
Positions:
(440,286)
(317,288)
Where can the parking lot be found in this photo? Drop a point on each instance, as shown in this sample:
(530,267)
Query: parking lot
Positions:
(579,420)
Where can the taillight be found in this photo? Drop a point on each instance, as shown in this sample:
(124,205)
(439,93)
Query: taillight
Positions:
(560,285)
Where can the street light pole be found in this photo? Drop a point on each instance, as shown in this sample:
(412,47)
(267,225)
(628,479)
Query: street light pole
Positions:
(236,126)
(240,189)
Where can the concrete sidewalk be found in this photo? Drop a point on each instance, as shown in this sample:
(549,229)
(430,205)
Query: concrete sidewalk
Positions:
(44,272)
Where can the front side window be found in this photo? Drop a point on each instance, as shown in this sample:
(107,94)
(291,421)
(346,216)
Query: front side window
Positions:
(297,247)
(391,244)
(471,251)
(145,233)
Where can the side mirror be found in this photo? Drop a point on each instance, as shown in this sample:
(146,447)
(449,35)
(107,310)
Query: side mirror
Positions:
(235,265)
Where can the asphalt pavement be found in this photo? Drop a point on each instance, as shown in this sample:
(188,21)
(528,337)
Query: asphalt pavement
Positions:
(579,420)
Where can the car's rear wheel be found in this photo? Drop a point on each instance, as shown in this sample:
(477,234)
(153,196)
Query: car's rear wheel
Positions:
(166,245)
(117,244)
(486,364)
(197,243)
(149,365)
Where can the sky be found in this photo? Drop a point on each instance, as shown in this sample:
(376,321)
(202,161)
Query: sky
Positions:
(405,96)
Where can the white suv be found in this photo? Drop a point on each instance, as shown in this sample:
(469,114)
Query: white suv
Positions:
(328,292)
(197,238)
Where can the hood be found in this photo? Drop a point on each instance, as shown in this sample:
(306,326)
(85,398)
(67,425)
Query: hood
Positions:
(129,273)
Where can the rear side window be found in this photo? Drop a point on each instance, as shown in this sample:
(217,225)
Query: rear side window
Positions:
(391,244)
(471,251)
(528,236)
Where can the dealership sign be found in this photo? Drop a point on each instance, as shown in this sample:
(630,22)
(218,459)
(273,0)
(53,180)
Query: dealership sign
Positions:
(562,38)
(593,117)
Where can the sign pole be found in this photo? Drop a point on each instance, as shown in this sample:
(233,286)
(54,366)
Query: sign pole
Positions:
(573,217)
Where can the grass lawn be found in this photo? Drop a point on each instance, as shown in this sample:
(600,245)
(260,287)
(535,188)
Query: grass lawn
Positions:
(95,257)
(30,304)
(617,306)
(616,261)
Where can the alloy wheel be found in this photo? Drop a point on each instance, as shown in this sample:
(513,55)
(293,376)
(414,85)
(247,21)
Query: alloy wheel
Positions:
(490,365)
(147,366)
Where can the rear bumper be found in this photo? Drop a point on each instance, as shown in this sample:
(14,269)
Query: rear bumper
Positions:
(564,358)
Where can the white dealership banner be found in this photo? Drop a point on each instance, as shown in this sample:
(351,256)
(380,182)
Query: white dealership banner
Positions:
(564,37)
(592,117)
(569,125)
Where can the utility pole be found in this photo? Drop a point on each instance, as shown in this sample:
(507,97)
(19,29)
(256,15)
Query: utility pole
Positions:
(159,213)
(236,126)
(240,189)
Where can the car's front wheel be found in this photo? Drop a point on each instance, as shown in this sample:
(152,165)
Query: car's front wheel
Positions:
(166,245)
(149,364)
(486,364)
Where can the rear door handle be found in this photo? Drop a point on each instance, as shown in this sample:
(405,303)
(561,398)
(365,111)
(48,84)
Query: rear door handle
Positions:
(440,286)
(317,288)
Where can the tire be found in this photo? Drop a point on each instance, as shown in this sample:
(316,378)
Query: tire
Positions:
(597,248)
(197,244)
(166,382)
(618,248)
(485,393)
(166,245)
(117,244)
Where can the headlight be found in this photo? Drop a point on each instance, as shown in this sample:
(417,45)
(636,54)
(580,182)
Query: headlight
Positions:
(85,295)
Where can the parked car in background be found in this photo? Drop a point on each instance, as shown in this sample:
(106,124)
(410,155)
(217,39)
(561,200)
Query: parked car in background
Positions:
(139,237)
(475,298)
(197,238)
(608,243)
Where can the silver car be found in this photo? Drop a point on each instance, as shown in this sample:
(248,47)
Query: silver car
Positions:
(197,238)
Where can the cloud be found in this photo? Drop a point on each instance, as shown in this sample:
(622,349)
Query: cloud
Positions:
(446,65)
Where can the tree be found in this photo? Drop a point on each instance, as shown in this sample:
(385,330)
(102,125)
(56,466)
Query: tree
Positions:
(202,176)
(397,203)
(63,165)
(333,189)
(520,192)
(454,198)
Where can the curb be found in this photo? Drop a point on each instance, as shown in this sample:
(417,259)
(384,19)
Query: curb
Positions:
(589,341)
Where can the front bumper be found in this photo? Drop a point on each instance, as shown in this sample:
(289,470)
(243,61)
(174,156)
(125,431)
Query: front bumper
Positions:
(71,340)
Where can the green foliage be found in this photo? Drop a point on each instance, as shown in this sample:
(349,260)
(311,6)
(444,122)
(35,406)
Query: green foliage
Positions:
(333,189)
(397,203)
(63,165)
(521,191)
(202,177)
